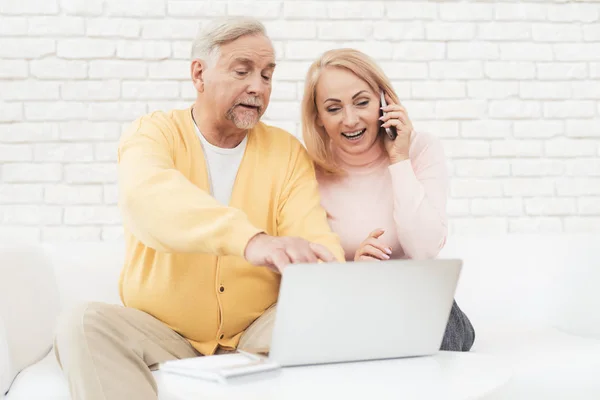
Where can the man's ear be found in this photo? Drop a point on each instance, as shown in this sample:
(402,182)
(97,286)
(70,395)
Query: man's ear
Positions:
(198,68)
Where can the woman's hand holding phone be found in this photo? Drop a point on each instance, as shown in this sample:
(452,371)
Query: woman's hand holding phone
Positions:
(373,248)
(396,115)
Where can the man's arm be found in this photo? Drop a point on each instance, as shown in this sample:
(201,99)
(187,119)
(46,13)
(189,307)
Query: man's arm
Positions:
(166,211)
(300,212)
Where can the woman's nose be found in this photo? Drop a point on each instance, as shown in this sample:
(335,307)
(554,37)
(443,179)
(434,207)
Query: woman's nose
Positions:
(350,118)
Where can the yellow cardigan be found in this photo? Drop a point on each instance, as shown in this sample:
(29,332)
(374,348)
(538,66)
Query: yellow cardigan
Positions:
(184,251)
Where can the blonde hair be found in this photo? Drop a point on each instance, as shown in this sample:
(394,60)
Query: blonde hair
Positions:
(316,140)
(221,31)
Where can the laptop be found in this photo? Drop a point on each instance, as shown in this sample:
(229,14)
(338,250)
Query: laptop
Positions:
(358,311)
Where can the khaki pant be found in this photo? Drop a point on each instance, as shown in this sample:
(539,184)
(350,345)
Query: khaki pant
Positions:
(107,352)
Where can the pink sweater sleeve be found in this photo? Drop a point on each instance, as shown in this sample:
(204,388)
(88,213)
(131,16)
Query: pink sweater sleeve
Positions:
(420,188)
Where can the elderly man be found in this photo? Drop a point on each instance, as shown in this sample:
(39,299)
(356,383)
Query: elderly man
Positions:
(214,204)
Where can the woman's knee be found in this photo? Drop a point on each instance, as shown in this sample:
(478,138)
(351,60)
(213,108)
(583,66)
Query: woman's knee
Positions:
(459,334)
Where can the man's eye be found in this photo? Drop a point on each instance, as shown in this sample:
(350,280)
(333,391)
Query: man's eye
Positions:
(266,78)
(241,73)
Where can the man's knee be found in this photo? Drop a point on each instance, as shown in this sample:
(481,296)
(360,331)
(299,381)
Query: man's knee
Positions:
(74,326)
(257,338)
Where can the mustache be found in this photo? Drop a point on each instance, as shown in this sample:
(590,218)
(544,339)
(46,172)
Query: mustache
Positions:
(250,101)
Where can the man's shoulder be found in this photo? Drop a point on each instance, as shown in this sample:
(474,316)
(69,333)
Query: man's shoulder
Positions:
(274,136)
(156,122)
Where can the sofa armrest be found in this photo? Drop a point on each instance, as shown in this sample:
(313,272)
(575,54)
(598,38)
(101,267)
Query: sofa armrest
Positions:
(29,306)
(5,369)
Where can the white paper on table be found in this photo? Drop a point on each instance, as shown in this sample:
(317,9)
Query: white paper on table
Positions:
(219,367)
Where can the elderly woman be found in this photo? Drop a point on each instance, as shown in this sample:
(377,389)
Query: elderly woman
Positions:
(385,198)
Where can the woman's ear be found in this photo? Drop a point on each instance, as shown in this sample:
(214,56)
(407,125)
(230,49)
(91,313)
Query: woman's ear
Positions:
(197,71)
(318,121)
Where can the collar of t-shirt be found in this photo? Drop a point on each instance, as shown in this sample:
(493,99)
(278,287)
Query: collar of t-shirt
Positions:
(222,165)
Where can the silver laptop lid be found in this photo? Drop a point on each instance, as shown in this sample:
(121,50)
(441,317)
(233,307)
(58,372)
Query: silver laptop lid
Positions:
(336,312)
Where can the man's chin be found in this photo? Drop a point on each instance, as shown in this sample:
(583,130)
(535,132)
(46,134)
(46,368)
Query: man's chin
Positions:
(245,123)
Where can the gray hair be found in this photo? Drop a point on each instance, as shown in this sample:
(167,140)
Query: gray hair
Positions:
(221,31)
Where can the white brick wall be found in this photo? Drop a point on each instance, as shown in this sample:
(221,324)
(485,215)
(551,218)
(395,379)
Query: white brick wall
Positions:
(511,88)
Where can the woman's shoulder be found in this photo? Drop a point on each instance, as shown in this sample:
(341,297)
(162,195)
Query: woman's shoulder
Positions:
(324,177)
(425,144)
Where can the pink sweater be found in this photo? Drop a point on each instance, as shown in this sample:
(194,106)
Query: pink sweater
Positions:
(406,199)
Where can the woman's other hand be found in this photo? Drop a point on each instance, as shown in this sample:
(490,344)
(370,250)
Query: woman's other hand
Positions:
(373,248)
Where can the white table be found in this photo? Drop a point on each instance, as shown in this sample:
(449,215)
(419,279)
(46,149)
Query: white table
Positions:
(447,375)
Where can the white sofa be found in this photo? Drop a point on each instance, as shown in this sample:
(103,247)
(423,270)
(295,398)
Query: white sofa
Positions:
(532,299)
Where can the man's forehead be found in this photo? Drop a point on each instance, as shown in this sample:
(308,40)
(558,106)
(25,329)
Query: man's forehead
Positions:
(251,49)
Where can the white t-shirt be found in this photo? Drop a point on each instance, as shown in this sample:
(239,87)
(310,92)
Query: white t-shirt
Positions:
(223,165)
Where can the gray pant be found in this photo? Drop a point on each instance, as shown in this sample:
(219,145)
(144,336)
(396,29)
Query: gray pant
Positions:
(459,335)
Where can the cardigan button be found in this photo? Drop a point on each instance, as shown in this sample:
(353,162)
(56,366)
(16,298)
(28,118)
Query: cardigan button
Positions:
(221,289)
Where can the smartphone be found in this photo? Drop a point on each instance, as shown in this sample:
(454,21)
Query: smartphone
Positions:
(391,131)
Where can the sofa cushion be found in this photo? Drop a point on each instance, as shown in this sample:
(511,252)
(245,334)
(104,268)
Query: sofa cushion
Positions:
(542,280)
(577,286)
(29,304)
(45,380)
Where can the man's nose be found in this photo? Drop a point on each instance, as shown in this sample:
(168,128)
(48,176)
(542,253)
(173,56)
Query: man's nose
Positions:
(256,84)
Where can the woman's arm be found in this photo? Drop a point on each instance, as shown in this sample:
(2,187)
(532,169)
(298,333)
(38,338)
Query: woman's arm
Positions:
(420,186)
